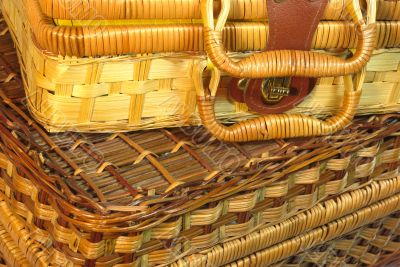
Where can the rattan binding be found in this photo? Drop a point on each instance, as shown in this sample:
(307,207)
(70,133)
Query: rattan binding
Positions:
(376,244)
(118,38)
(10,252)
(231,253)
(285,63)
(162,9)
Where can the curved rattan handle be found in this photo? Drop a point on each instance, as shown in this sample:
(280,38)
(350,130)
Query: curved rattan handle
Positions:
(283,63)
(273,126)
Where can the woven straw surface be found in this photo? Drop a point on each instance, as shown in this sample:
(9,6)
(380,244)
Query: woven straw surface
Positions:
(305,233)
(231,253)
(144,91)
(165,185)
(154,197)
(10,252)
(374,245)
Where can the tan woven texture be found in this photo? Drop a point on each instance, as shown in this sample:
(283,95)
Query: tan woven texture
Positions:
(382,236)
(10,252)
(230,252)
(158,197)
(145,89)
(374,245)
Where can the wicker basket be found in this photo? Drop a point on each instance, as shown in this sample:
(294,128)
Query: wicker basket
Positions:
(27,245)
(376,242)
(158,197)
(126,88)
(180,197)
(366,246)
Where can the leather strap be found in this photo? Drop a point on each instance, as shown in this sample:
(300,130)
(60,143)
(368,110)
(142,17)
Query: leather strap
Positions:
(292,24)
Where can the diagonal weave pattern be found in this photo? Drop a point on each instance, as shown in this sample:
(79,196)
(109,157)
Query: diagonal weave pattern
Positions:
(374,245)
(248,251)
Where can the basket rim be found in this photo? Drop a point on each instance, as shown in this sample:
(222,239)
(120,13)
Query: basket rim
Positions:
(46,32)
(15,152)
(375,195)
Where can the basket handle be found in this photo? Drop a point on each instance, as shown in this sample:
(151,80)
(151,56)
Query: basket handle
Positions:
(284,63)
(273,126)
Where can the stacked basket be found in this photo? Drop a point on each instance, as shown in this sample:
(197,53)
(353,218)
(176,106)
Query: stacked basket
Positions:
(93,71)
(76,199)
(180,197)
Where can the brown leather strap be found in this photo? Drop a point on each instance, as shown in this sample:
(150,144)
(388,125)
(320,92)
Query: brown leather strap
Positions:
(292,25)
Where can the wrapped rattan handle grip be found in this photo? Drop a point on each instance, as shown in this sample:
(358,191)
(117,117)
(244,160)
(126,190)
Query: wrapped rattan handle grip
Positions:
(274,126)
(282,63)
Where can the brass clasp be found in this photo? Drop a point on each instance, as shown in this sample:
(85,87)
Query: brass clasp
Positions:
(274,89)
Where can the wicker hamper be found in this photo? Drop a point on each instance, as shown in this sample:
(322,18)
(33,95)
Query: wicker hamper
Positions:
(180,197)
(355,235)
(370,245)
(128,65)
